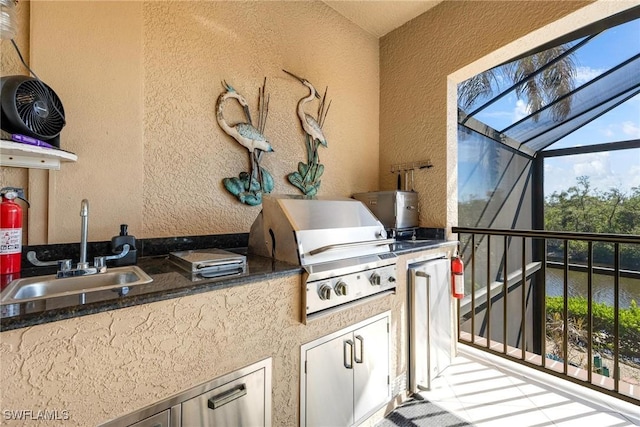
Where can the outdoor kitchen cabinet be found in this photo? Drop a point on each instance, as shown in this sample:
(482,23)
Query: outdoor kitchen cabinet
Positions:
(345,375)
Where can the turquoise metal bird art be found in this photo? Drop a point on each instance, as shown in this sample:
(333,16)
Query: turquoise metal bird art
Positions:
(309,124)
(308,174)
(245,133)
(248,187)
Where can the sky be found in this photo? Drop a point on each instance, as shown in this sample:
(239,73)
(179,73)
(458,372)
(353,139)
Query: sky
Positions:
(615,169)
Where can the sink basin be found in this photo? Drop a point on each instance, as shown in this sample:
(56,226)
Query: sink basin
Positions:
(33,288)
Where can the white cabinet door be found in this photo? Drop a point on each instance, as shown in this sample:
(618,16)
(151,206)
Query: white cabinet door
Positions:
(329,383)
(431,327)
(371,368)
(345,375)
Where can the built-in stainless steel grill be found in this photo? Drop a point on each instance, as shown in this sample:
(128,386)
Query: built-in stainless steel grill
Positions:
(342,247)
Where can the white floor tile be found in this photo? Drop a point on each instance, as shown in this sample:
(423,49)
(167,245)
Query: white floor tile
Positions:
(486,390)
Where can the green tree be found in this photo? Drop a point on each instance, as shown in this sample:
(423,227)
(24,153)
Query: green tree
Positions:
(582,208)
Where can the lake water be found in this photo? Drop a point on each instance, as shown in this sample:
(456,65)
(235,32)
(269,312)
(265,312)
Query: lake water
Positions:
(602,287)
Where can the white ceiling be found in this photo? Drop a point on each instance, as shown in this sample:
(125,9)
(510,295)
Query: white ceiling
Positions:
(380,17)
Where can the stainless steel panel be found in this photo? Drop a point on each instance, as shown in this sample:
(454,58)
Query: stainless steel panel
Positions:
(354,286)
(208,260)
(329,383)
(395,209)
(174,403)
(157,420)
(344,376)
(371,368)
(237,403)
(431,328)
(292,229)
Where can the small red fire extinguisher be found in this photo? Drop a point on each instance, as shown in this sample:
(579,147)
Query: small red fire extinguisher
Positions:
(457,276)
(11,230)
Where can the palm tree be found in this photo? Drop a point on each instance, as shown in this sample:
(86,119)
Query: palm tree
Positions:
(540,79)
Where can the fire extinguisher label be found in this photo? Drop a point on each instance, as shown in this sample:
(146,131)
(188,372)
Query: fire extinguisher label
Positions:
(458,284)
(10,241)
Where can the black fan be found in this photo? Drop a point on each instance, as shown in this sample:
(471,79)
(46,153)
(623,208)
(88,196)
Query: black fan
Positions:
(30,107)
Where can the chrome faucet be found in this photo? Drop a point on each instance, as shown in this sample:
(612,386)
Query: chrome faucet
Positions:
(83,268)
(84,231)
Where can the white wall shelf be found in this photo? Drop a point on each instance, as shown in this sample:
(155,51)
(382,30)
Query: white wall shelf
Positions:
(18,155)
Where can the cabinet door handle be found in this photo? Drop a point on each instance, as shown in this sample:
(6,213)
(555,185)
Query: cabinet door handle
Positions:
(228,396)
(348,363)
(355,357)
(423,274)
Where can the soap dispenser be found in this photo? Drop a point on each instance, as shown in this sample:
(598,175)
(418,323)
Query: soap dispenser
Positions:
(116,247)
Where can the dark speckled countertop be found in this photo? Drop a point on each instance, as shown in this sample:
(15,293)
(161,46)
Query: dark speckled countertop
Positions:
(169,281)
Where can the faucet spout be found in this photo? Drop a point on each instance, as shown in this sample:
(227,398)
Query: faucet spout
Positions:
(84,231)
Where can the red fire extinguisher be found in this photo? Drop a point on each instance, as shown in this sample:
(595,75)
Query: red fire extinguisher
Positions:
(11,230)
(457,276)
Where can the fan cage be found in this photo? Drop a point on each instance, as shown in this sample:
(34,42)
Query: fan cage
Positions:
(40,108)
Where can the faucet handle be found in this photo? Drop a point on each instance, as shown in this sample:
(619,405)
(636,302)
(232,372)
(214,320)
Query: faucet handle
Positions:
(101,261)
(31,256)
(64,265)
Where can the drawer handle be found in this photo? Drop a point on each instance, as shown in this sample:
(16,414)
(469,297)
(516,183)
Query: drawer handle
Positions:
(228,396)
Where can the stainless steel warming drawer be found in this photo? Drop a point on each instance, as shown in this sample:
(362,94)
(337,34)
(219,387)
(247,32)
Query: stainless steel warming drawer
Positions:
(241,399)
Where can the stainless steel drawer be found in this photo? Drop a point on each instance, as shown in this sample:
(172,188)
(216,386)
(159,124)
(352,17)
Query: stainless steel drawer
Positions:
(238,403)
(239,398)
(157,420)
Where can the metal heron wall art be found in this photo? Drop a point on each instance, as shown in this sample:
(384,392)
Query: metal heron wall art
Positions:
(307,177)
(248,186)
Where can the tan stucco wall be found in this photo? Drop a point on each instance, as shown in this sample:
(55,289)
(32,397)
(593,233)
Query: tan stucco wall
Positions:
(139,81)
(10,65)
(415,62)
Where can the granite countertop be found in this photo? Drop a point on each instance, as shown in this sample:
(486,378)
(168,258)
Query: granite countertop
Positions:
(169,281)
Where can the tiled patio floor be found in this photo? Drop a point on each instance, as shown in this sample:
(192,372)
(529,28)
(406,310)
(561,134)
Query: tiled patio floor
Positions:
(487,390)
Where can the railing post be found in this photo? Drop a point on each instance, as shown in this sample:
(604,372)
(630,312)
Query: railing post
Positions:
(565,309)
(590,312)
(616,318)
(473,288)
(488,292)
(523,324)
(505,291)
(541,297)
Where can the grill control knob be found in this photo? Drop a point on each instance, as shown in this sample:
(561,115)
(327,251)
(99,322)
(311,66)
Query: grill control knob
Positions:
(324,292)
(374,279)
(341,288)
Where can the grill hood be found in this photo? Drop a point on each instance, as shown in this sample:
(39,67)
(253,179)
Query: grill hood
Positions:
(307,232)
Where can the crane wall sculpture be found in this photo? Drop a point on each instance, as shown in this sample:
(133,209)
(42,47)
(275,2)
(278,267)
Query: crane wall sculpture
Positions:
(248,186)
(307,177)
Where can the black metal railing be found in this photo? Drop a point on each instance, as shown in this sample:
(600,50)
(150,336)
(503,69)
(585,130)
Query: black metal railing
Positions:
(505,307)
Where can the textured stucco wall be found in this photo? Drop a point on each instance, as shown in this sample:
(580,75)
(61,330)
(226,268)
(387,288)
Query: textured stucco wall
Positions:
(415,62)
(139,82)
(10,65)
(90,53)
(190,47)
(105,365)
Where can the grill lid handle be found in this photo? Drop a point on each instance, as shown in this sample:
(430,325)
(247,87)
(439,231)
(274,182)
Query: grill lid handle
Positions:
(350,245)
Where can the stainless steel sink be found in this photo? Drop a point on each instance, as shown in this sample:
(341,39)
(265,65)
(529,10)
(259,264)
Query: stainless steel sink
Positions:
(119,279)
